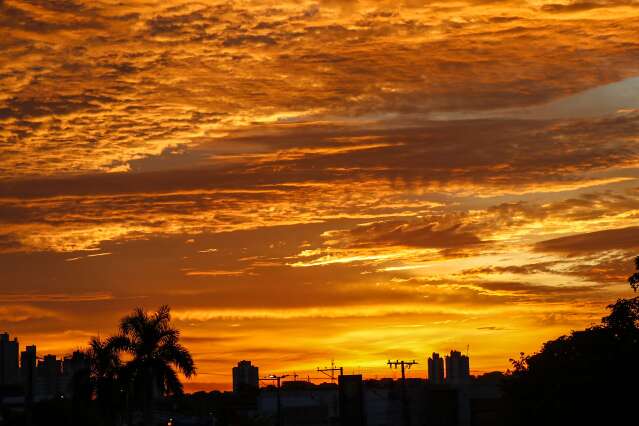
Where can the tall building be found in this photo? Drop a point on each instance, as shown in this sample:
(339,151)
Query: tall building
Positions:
(245,376)
(436,369)
(457,368)
(76,362)
(9,349)
(49,374)
(72,365)
(28,361)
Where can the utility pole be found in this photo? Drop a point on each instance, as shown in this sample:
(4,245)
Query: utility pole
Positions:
(405,406)
(277,379)
(332,371)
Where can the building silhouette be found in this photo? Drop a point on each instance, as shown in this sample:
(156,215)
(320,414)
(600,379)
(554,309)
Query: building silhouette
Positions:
(304,404)
(352,410)
(450,396)
(436,369)
(73,364)
(28,362)
(457,368)
(9,372)
(38,379)
(49,372)
(245,377)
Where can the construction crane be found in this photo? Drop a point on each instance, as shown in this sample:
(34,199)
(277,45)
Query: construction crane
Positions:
(405,407)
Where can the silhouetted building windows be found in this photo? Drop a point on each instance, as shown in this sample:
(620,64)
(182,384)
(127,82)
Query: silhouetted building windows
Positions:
(457,368)
(48,378)
(245,376)
(9,349)
(436,369)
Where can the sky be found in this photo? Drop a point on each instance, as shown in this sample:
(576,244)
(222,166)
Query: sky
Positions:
(304,180)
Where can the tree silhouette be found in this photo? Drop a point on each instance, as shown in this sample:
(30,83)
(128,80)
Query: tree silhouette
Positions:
(99,380)
(157,356)
(633,279)
(624,315)
(587,377)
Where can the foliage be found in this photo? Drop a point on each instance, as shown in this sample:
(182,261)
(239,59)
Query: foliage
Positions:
(112,388)
(633,280)
(156,356)
(587,377)
(104,368)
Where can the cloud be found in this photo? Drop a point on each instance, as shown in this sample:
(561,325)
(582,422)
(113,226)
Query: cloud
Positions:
(592,242)
(182,73)
(53,297)
(216,273)
(514,287)
(23,313)
(407,234)
(584,6)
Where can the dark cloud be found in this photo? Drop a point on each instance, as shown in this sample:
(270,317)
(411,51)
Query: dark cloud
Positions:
(257,39)
(20,18)
(534,289)
(405,233)
(582,6)
(610,239)
(9,243)
(527,269)
(206,59)
(37,107)
(463,152)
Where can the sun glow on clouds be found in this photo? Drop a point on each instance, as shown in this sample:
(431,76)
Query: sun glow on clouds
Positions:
(345,174)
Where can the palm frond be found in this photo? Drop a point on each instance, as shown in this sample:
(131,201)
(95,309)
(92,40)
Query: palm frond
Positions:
(180,357)
(155,348)
(168,379)
(134,323)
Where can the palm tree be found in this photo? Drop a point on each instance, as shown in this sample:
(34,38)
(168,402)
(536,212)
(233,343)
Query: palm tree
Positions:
(99,378)
(156,356)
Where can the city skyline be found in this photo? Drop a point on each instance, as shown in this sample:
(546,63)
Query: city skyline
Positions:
(62,367)
(310,180)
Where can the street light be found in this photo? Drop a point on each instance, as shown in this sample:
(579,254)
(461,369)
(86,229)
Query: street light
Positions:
(279,398)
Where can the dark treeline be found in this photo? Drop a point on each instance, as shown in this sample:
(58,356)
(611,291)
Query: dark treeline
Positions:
(587,377)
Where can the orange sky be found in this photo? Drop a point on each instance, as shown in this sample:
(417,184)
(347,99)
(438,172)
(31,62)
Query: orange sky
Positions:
(314,180)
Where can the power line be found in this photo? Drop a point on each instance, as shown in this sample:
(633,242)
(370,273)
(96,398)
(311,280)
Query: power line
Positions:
(277,379)
(405,406)
(332,370)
